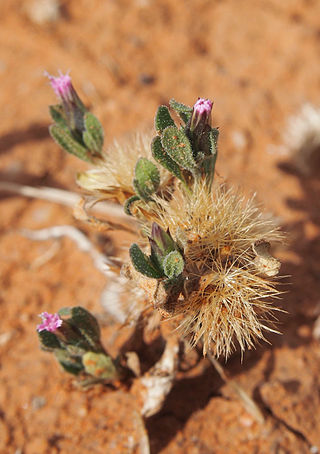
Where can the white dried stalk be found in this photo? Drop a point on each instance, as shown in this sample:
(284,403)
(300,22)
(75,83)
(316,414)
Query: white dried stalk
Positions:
(101,261)
(159,380)
(67,198)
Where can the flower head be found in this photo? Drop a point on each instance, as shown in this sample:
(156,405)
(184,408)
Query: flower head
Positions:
(71,107)
(50,322)
(201,114)
(62,86)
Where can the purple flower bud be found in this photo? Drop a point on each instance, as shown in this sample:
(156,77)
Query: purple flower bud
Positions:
(72,106)
(201,114)
(62,86)
(161,239)
(50,322)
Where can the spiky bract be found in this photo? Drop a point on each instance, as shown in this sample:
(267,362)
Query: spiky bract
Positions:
(224,299)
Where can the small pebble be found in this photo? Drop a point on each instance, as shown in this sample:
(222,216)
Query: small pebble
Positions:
(38,402)
(239,139)
(41,12)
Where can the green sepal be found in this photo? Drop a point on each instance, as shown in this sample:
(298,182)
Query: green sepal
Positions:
(161,156)
(162,239)
(48,340)
(208,163)
(173,264)
(182,110)
(58,116)
(99,365)
(143,264)
(68,143)
(93,135)
(147,178)
(178,147)
(70,364)
(213,139)
(129,202)
(87,324)
(163,119)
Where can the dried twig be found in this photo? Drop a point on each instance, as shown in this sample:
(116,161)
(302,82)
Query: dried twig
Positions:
(66,198)
(159,380)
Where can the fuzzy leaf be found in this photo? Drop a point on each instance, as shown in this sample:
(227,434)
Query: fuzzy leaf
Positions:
(68,143)
(182,110)
(99,365)
(58,115)
(70,364)
(87,324)
(147,178)
(143,264)
(128,203)
(178,146)
(93,136)
(161,156)
(173,264)
(49,340)
(163,119)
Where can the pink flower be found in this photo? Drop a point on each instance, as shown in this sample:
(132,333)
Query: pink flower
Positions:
(50,322)
(203,106)
(62,86)
(201,114)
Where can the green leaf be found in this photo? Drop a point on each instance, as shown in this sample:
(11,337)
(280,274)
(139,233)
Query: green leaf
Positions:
(143,264)
(173,264)
(93,135)
(163,119)
(68,143)
(147,178)
(58,115)
(87,324)
(182,110)
(161,156)
(49,340)
(70,364)
(99,365)
(178,146)
(129,202)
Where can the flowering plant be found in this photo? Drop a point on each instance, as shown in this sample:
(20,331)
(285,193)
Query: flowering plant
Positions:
(202,255)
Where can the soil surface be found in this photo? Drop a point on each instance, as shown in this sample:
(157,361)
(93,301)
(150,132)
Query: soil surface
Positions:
(259,62)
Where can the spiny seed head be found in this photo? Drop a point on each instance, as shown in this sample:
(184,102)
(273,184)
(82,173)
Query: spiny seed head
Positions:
(224,300)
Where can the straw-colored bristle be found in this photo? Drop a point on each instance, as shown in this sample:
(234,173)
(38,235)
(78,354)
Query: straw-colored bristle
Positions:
(225,292)
(224,240)
(114,177)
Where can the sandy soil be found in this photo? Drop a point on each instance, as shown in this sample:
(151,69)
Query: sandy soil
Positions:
(259,62)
